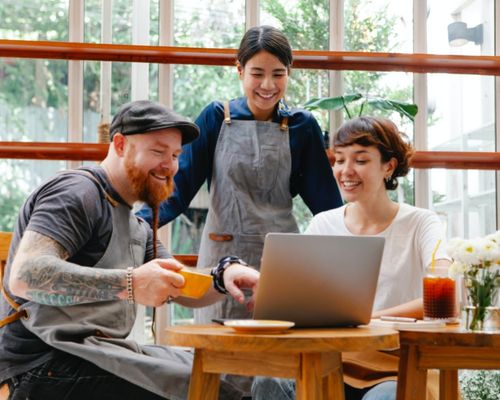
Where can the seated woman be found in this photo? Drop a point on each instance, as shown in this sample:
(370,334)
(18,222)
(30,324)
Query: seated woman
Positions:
(370,154)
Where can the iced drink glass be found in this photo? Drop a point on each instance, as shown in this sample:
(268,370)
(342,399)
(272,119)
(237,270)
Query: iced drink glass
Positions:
(439,295)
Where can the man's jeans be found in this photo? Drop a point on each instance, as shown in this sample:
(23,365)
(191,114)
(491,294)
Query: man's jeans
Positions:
(265,388)
(66,377)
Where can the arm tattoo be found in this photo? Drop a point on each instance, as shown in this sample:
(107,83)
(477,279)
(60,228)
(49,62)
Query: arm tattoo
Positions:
(53,281)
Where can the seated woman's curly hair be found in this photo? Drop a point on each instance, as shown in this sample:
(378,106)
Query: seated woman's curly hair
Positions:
(382,133)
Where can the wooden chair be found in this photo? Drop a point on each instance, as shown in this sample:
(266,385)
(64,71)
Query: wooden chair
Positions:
(189,260)
(5,239)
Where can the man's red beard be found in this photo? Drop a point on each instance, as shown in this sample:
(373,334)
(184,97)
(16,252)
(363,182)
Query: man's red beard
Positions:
(149,189)
(146,187)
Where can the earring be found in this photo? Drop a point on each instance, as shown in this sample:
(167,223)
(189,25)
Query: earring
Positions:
(387,179)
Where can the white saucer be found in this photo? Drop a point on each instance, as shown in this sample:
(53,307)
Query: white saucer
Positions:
(258,325)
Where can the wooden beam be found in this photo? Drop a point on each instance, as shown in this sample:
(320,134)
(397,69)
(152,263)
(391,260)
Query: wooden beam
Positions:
(327,60)
(97,152)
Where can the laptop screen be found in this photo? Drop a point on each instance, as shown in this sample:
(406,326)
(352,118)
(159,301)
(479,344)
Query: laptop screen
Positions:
(318,280)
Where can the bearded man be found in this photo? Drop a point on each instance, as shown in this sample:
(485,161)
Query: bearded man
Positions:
(80,261)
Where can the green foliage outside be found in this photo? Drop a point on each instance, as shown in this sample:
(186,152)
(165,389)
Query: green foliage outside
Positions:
(11,195)
(479,385)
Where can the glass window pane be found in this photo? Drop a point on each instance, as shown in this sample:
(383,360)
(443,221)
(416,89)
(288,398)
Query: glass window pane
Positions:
(209,23)
(91,100)
(378,25)
(304,22)
(93,21)
(466,201)
(34,95)
(34,20)
(196,86)
(18,178)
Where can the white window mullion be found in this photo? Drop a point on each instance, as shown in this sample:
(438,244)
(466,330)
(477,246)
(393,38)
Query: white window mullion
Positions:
(252,13)
(140,36)
(422,189)
(106,37)
(75,78)
(336,87)
(166,71)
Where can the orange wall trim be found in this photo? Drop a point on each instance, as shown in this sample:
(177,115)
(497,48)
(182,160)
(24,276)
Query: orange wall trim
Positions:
(97,152)
(328,60)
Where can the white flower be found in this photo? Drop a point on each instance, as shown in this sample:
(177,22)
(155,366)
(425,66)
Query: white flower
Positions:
(495,237)
(453,247)
(456,269)
(469,252)
(483,253)
(488,250)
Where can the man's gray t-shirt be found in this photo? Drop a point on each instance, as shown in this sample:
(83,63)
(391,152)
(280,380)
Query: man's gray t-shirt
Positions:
(71,209)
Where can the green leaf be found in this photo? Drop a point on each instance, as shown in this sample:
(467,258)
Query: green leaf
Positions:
(332,103)
(404,109)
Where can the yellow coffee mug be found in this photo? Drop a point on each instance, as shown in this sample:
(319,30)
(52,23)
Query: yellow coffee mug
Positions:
(196,284)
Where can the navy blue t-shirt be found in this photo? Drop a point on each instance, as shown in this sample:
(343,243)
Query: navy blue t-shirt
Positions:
(311,174)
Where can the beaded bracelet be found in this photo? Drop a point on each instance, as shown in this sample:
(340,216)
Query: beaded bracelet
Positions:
(217,272)
(130,288)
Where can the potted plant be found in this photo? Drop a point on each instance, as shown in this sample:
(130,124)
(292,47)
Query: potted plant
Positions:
(357,100)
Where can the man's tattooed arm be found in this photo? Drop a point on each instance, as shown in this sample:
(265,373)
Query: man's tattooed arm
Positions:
(41,273)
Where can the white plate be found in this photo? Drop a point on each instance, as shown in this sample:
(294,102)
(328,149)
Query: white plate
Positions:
(258,325)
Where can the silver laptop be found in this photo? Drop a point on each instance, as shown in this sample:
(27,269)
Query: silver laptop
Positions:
(318,280)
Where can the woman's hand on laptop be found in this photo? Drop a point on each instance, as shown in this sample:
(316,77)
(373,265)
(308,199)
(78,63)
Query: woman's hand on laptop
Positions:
(237,277)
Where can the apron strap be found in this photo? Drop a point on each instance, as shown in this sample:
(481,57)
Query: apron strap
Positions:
(284,124)
(89,175)
(227,113)
(19,313)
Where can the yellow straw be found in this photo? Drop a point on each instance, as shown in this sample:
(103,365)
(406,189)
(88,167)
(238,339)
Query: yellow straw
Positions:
(434,254)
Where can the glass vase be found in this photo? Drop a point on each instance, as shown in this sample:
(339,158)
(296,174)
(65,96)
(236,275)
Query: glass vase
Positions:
(480,311)
(485,319)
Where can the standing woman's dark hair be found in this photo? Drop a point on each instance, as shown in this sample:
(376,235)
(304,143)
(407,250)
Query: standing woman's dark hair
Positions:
(382,133)
(265,38)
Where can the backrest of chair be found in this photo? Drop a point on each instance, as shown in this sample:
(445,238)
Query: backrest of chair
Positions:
(5,239)
(188,260)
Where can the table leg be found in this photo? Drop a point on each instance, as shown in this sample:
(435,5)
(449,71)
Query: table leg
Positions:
(203,385)
(448,384)
(309,380)
(412,381)
(333,383)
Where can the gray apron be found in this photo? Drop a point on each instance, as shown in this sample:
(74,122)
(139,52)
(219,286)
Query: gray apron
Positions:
(249,197)
(96,332)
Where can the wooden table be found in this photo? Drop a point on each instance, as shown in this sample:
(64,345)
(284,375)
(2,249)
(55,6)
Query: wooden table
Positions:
(311,356)
(447,349)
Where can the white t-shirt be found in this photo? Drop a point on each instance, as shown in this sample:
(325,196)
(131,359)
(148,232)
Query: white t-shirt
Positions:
(409,242)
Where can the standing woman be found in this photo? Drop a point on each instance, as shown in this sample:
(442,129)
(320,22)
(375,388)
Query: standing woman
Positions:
(256,154)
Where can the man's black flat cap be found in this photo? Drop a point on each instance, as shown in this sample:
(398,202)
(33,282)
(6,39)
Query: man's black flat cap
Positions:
(144,116)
